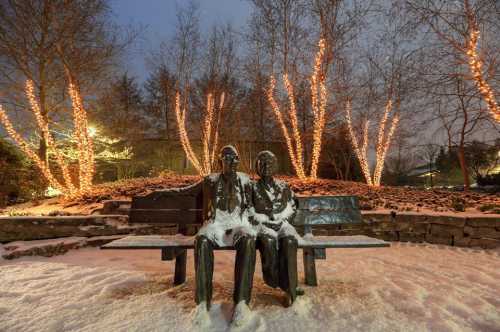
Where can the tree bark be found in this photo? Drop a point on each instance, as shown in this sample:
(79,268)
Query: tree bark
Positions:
(463,166)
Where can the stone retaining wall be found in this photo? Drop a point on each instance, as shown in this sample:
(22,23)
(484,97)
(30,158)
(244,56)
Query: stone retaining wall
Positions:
(477,231)
(481,231)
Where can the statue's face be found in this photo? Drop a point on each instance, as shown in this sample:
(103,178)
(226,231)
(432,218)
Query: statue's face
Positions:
(266,165)
(229,160)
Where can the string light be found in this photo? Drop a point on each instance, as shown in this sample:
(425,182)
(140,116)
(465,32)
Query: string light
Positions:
(186,145)
(318,108)
(82,136)
(381,158)
(292,112)
(382,146)
(44,127)
(208,155)
(360,153)
(215,145)
(475,66)
(29,152)
(84,143)
(276,110)
(206,133)
(318,105)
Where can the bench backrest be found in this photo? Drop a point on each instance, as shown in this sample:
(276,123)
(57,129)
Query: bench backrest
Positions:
(184,207)
(327,210)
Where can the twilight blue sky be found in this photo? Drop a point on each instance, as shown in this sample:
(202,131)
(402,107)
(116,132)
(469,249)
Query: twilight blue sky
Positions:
(157,18)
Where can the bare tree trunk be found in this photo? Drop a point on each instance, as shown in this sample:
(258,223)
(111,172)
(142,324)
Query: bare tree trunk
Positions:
(463,166)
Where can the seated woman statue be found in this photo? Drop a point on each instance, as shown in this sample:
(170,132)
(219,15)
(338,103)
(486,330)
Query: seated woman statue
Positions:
(226,202)
(273,208)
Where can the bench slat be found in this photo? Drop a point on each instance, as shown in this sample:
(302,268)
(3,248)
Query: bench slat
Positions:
(166,216)
(185,242)
(305,217)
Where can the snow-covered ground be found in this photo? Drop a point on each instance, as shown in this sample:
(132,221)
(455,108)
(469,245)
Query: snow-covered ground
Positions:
(407,287)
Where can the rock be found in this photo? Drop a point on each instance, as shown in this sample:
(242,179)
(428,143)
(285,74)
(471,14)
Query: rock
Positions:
(483,222)
(411,237)
(438,240)
(47,248)
(485,243)
(482,232)
(445,231)
(46,227)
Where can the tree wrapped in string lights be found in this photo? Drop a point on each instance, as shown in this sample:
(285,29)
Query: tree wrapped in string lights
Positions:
(210,135)
(475,64)
(318,104)
(82,136)
(383,143)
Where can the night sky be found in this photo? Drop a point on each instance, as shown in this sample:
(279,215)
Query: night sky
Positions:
(157,20)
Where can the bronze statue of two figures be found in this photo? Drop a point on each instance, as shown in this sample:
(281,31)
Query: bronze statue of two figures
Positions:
(248,215)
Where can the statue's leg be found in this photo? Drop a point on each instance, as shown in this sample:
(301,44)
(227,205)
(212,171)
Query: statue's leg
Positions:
(244,269)
(288,266)
(204,269)
(268,248)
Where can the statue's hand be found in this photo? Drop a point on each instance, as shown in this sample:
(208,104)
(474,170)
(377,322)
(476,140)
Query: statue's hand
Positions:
(253,221)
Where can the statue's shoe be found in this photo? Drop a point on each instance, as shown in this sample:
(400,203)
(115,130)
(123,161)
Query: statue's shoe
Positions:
(242,315)
(299,291)
(201,317)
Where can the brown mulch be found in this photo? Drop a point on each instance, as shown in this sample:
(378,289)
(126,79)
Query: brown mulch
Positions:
(399,198)
(386,197)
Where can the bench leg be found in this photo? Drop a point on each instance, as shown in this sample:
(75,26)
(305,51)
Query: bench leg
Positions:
(310,267)
(180,268)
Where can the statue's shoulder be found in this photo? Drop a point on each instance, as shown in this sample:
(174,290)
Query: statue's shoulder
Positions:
(281,184)
(211,178)
(244,178)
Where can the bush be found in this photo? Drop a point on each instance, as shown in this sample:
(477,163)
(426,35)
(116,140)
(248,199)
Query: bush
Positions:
(458,204)
(489,180)
(19,179)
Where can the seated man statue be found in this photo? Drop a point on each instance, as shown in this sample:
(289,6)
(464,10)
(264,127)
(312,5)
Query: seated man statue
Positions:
(277,240)
(226,202)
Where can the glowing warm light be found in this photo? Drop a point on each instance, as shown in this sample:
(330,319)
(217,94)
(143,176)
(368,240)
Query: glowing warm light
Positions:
(92,131)
(85,146)
(23,145)
(276,110)
(208,154)
(360,152)
(215,145)
(318,104)
(383,143)
(84,141)
(186,145)
(318,108)
(382,146)
(475,66)
(292,112)
(44,127)
(207,162)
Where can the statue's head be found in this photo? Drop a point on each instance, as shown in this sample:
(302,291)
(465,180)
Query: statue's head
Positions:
(229,159)
(266,164)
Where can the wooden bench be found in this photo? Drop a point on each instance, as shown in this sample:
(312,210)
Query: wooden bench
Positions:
(183,207)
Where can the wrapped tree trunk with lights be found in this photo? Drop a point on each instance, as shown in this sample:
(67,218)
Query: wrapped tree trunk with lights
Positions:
(383,144)
(81,134)
(476,65)
(319,98)
(210,137)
